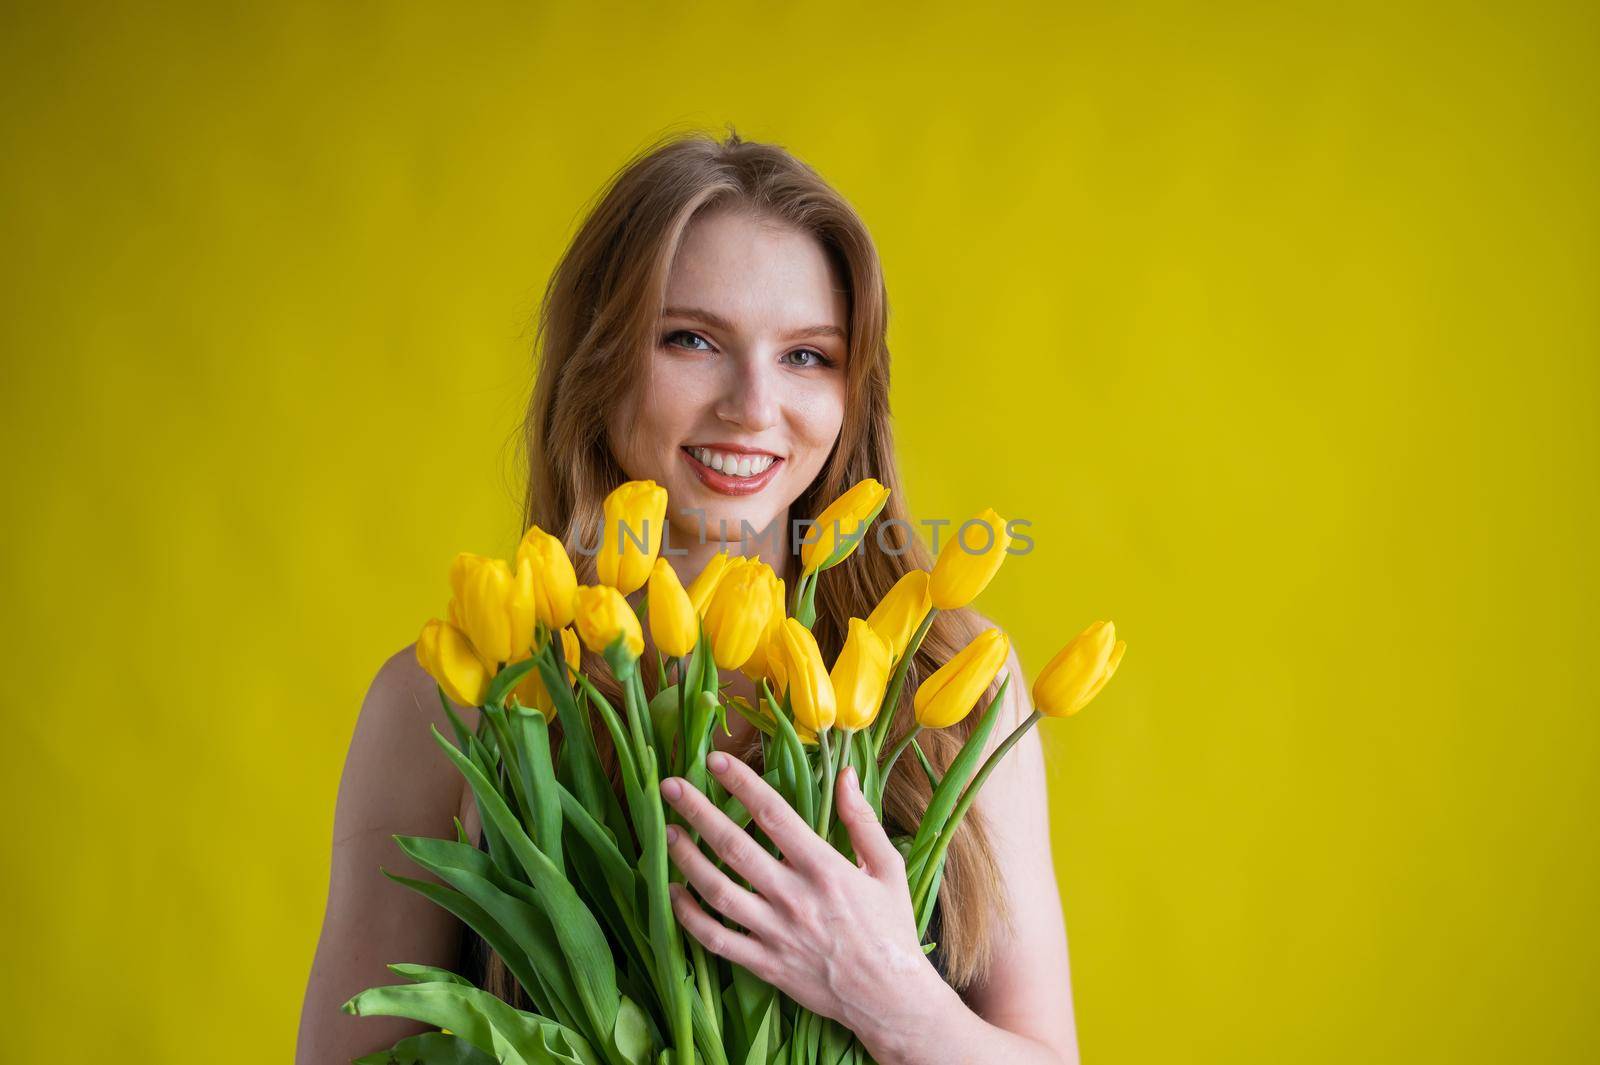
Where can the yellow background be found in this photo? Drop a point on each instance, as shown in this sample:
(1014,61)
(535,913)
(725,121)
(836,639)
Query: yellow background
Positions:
(1277,322)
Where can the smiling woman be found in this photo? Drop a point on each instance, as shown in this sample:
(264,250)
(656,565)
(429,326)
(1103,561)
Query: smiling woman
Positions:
(718,326)
(742,400)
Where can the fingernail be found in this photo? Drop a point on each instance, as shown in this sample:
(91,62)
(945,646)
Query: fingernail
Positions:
(717,761)
(671,789)
(673,832)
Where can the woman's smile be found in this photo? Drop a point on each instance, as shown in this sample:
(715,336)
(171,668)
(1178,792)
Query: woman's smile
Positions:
(730,469)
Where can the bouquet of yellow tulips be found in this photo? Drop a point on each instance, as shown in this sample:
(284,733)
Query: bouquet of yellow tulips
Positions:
(572,888)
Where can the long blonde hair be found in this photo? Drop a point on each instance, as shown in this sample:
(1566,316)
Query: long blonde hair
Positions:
(596,325)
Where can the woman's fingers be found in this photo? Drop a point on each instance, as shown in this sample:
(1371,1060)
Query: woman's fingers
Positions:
(712,884)
(799,843)
(714,936)
(733,844)
(867,837)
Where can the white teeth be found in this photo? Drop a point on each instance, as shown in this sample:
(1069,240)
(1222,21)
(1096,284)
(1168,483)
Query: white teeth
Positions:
(732,465)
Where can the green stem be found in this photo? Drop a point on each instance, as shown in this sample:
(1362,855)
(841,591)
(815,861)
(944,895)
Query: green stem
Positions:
(846,752)
(927,766)
(826,811)
(805,611)
(638,714)
(891,700)
(894,755)
(936,856)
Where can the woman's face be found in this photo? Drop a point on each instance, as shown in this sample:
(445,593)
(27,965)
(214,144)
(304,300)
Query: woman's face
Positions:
(745,388)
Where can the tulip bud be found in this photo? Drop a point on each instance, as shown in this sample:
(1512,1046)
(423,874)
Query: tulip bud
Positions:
(899,612)
(635,516)
(810,691)
(674,624)
(554,579)
(705,583)
(1078,671)
(737,614)
(859,677)
(448,656)
(952,690)
(495,607)
(764,661)
(967,563)
(603,616)
(571,650)
(842,524)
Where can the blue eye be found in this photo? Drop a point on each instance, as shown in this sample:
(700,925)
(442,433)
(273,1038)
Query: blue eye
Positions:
(668,339)
(821,359)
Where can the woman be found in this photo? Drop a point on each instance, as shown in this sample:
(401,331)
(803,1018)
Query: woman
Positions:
(717,326)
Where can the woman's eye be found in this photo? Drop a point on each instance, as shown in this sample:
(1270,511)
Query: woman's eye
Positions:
(816,358)
(670,337)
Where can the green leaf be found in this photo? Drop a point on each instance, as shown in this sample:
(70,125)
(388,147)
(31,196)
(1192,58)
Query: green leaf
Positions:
(509,678)
(539,779)
(517,909)
(765,1036)
(631,1036)
(961,769)
(589,782)
(430,1048)
(583,942)
(456,724)
(804,796)
(472,1014)
(476,918)
(421,974)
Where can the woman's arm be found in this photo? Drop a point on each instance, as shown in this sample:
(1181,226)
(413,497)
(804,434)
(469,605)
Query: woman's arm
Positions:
(396,781)
(841,938)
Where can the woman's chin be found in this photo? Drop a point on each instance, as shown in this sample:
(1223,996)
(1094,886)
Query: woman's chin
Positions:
(716,518)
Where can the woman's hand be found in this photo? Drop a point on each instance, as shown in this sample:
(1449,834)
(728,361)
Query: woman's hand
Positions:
(838,938)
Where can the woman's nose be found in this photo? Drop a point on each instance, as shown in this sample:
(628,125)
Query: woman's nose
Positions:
(751,398)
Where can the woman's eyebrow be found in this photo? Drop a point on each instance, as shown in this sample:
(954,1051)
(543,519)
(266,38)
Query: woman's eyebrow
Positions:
(714,319)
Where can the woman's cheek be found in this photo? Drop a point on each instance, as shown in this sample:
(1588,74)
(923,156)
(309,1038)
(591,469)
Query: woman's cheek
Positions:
(818,417)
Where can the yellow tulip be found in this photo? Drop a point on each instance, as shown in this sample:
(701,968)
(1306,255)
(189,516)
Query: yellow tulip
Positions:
(571,650)
(859,676)
(899,612)
(495,607)
(448,656)
(635,516)
(674,624)
(737,615)
(842,525)
(764,661)
(967,563)
(952,690)
(1078,671)
(554,579)
(603,615)
(810,691)
(705,583)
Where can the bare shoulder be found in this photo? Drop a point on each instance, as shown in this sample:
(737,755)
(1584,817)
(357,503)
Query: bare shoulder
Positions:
(395,771)
(396,781)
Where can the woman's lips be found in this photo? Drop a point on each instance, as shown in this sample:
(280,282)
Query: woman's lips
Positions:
(718,481)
